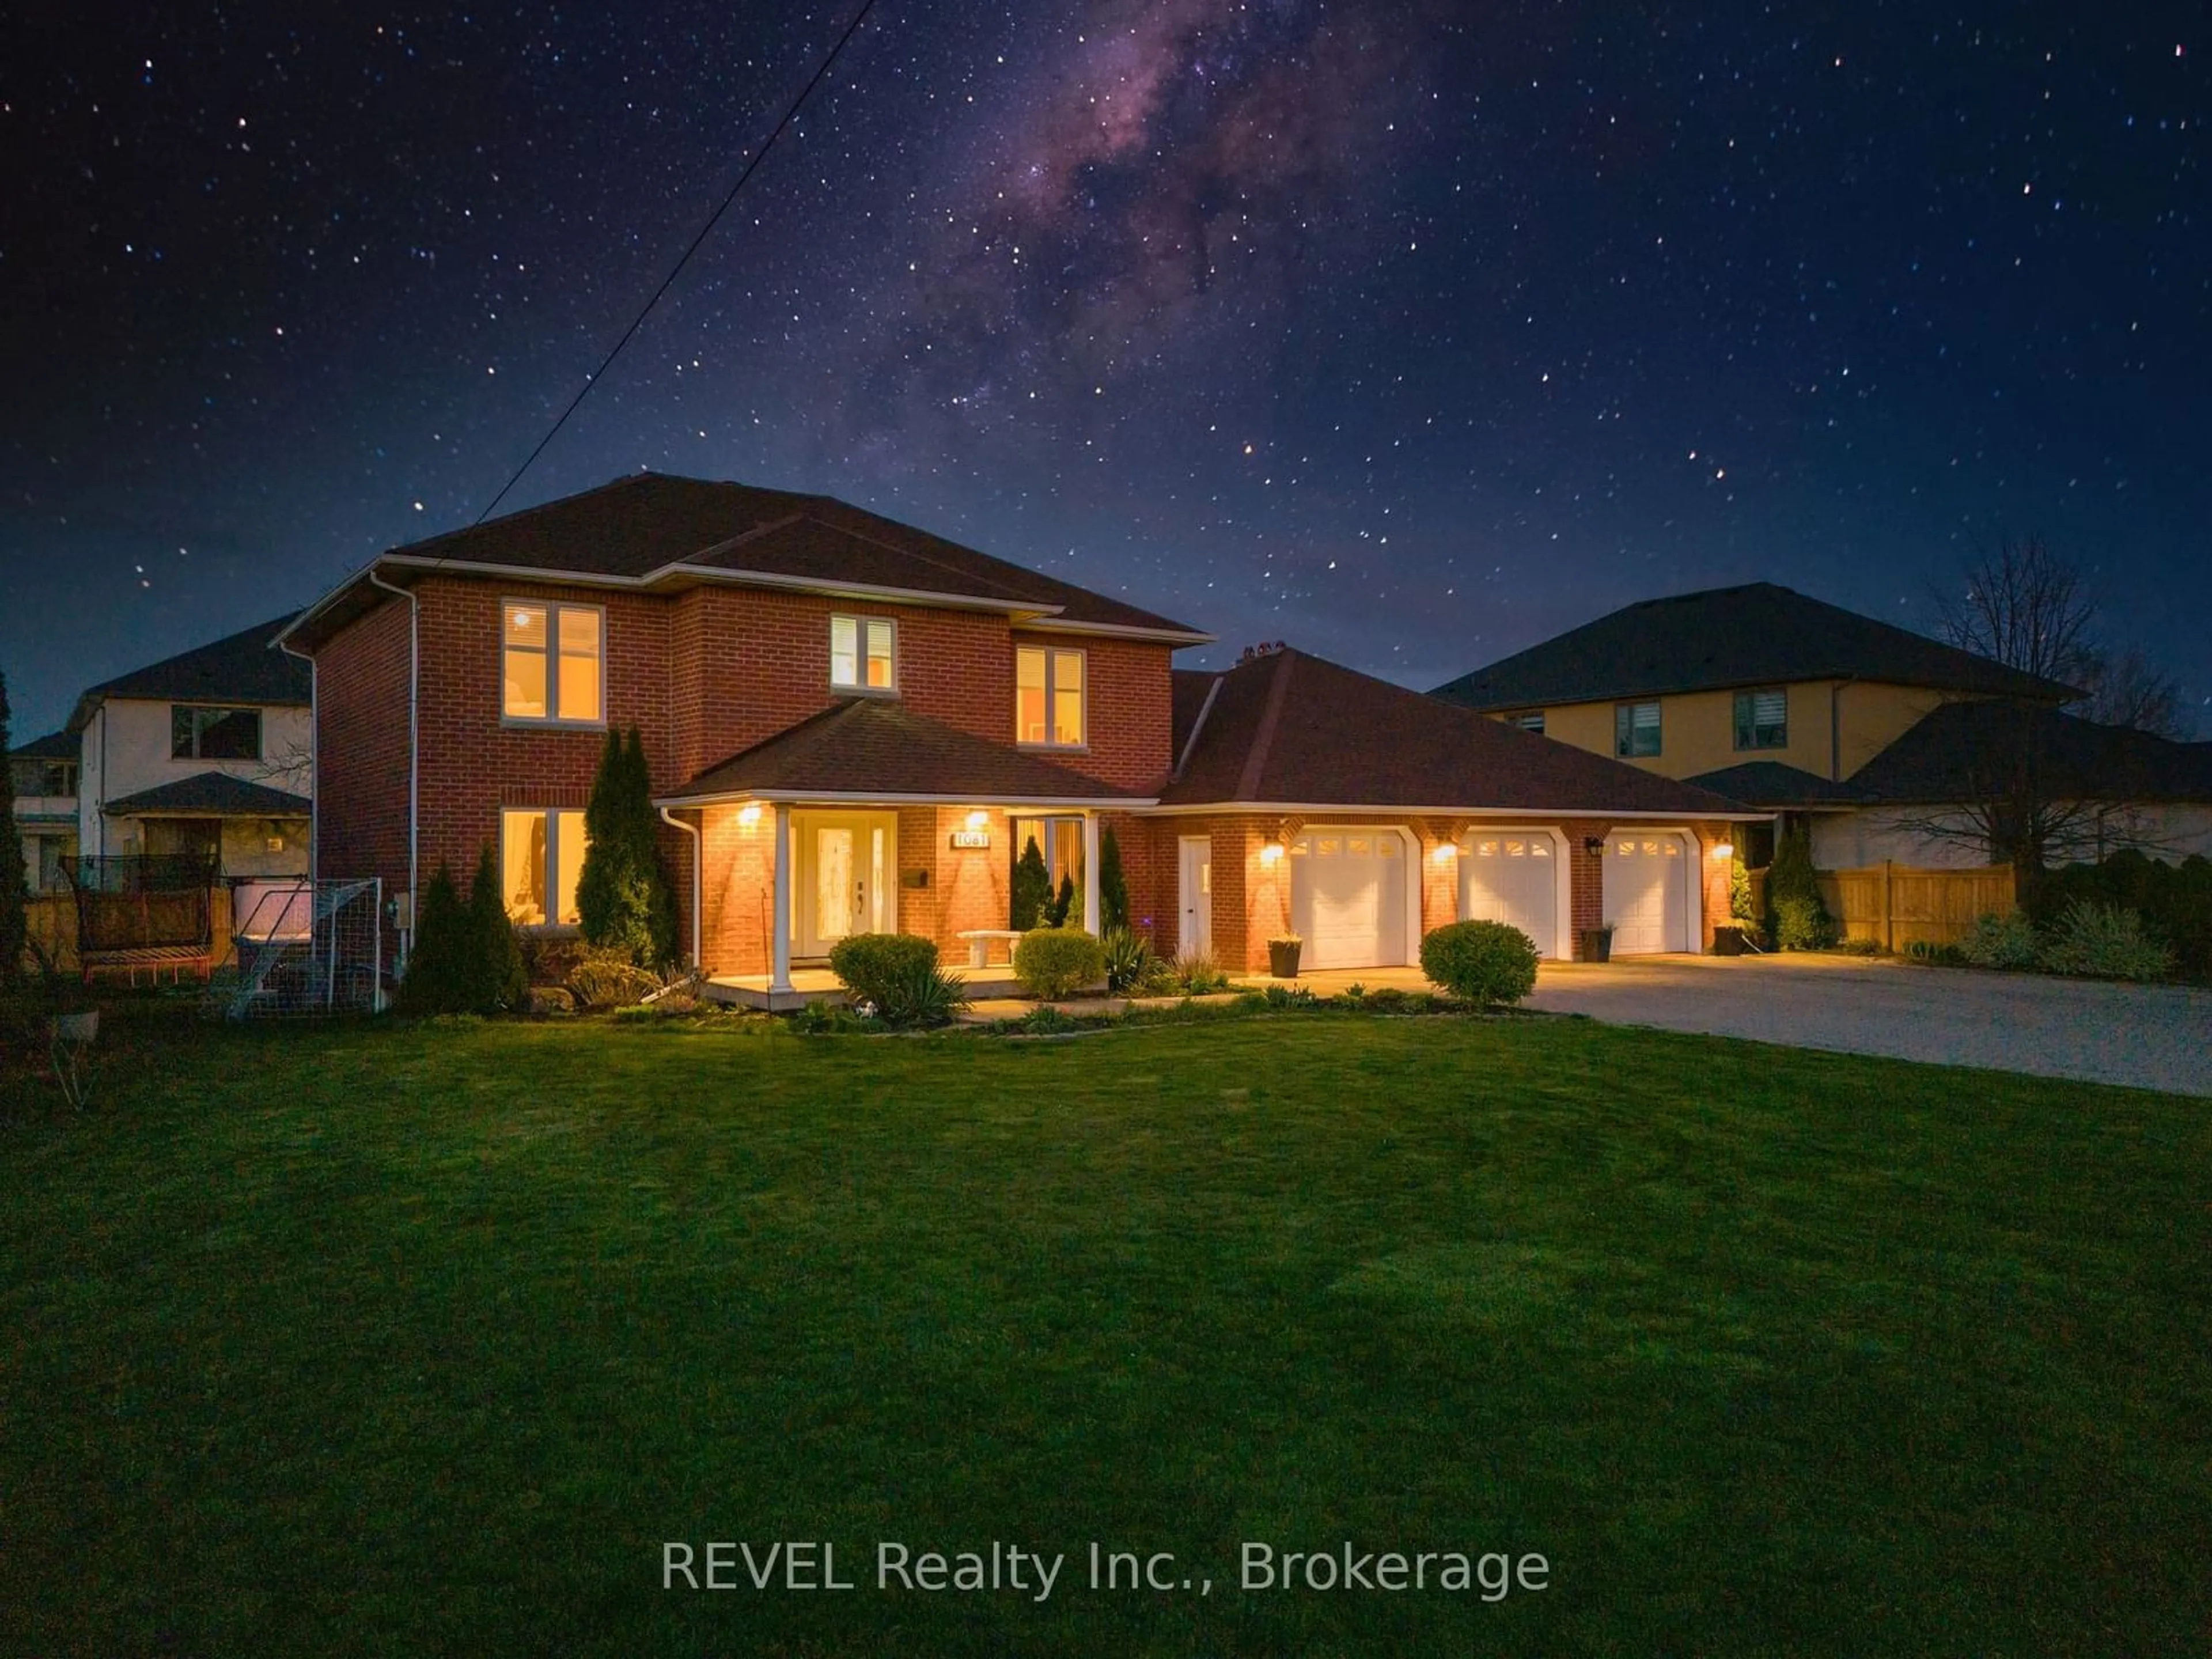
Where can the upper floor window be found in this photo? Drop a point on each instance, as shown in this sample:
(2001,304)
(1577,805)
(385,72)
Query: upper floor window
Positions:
(1762,719)
(1635,729)
(199,732)
(863,654)
(1049,697)
(1529,721)
(43,777)
(551,659)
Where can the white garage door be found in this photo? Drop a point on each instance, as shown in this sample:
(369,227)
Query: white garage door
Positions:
(1348,897)
(1647,892)
(1513,878)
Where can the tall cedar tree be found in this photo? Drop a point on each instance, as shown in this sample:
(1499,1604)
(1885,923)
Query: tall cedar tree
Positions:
(1032,892)
(624,898)
(1066,910)
(437,980)
(13,892)
(497,977)
(1113,885)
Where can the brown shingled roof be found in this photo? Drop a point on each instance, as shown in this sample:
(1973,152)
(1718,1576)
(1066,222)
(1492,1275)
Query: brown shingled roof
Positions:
(658,527)
(1290,729)
(875,747)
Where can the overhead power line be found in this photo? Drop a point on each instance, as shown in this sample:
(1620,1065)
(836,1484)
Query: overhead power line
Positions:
(684,258)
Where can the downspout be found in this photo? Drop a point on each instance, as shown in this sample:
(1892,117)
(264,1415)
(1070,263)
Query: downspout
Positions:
(1836,728)
(698,875)
(414,754)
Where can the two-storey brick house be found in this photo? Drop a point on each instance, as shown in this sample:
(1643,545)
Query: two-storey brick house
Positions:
(852,725)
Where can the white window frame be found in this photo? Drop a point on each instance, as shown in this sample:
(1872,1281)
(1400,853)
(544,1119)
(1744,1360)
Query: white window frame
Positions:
(861,624)
(1738,727)
(1052,654)
(553,607)
(552,926)
(1528,719)
(1658,727)
(226,710)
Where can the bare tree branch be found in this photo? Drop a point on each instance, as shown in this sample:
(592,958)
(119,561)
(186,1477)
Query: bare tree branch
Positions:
(2126,689)
(2025,607)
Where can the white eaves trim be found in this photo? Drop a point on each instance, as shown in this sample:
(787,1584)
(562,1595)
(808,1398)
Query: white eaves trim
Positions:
(1059,624)
(880,798)
(1236,808)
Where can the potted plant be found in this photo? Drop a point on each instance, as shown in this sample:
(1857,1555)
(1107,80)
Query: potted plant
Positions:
(1283,955)
(1597,943)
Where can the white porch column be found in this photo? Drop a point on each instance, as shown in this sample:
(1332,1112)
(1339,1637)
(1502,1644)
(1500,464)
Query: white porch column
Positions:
(1090,919)
(779,977)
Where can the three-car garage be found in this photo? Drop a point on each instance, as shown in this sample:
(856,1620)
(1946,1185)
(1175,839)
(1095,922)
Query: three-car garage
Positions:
(1355,891)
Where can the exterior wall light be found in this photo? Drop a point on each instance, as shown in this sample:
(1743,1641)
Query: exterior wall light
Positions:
(1446,852)
(1271,853)
(978,819)
(1594,845)
(1722,850)
(749,816)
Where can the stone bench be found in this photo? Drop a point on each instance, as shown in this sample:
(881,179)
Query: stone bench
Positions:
(979,943)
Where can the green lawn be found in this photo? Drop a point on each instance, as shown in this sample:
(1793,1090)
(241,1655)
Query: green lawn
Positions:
(426,1341)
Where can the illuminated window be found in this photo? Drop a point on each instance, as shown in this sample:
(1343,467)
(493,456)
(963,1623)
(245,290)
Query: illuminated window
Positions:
(1531,721)
(551,662)
(1635,729)
(201,734)
(1049,697)
(1389,847)
(863,654)
(541,857)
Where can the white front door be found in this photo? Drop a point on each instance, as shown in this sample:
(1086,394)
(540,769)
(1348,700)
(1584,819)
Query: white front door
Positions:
(1194,896)
(1348,897)
(1647,891)
(1512,876)
(844,878)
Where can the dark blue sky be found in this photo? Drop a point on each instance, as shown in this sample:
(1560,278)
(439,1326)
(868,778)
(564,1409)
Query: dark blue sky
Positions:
(1410,332)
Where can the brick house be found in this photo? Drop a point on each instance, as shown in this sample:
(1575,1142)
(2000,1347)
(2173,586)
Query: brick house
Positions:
(852,725)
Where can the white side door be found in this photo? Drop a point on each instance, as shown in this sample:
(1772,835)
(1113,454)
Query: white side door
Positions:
(1194,896)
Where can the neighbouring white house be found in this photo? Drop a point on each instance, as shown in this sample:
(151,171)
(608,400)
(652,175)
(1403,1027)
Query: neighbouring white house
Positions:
(206,754)
(43,774)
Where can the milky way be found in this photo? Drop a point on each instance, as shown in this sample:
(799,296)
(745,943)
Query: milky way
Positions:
(1411,333)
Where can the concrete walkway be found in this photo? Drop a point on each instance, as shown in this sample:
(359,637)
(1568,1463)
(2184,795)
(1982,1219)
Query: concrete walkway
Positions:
(2149,1037)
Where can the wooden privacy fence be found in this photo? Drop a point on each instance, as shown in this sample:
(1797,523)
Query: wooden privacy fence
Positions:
(1892,905)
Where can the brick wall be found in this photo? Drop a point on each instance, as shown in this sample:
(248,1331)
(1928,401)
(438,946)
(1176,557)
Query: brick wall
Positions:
(1130,724)
(362,751)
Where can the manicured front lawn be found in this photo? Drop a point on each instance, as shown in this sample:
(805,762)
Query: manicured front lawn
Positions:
(410,1342)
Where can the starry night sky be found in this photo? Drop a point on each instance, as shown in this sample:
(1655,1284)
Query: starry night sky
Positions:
(1410,331)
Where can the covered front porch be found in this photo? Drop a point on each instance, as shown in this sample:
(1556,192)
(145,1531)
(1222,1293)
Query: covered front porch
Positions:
(871,819)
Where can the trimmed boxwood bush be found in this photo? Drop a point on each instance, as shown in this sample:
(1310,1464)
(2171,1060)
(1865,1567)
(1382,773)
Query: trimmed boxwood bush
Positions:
(869,965)
(1480,962)
(1052,962)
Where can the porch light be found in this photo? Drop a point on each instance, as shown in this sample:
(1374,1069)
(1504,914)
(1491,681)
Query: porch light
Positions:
(1445,853)
(979,820)
(1722,850)
(1271,853)
(749,816)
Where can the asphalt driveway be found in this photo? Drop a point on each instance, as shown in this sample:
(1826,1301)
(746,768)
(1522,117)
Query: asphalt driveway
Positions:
(2149,1037)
